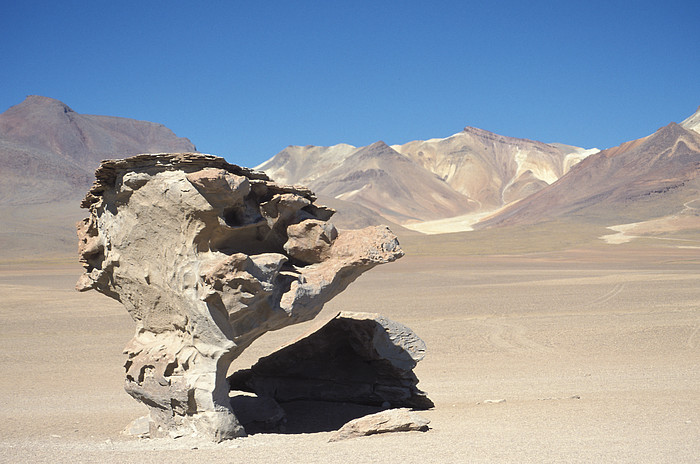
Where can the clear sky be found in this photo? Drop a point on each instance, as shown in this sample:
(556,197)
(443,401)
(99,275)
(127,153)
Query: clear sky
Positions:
(245,79)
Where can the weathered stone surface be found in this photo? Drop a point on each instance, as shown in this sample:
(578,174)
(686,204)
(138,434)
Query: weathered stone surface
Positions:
(194,247)
(391,420)
(310,240)
(355,357)
(139,427)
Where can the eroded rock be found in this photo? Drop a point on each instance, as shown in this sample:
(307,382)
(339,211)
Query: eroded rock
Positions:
(196,249)
(355,357)
(391,420)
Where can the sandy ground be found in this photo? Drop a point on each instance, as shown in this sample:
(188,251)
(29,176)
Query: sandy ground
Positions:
(595,355)
(687,219)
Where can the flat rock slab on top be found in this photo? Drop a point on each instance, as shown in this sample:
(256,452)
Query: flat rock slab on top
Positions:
(355,357)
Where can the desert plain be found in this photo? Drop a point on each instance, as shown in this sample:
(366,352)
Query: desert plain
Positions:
(588,353)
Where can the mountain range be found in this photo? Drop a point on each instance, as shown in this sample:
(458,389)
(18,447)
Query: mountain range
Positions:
(472,180)
(638,180)
(479,180)
(464,176)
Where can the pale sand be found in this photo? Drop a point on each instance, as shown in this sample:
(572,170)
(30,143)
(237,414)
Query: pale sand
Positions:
(462,223)
(686,220)
(595,355)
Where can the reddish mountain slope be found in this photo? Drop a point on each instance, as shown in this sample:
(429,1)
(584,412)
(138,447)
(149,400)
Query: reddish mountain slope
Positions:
(639,180)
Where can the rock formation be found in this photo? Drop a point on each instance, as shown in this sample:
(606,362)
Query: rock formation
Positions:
(355,357)
(392,420)
(207,256)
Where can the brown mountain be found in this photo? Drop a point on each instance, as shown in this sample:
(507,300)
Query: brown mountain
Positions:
(652,177)
(49,152)
(462,176)
(48,156)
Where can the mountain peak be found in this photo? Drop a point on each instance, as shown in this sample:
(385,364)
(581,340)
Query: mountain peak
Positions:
(484,134)
(37,101)
(669,131)
(379,149)
(475,130)
(378,145)
(43,138)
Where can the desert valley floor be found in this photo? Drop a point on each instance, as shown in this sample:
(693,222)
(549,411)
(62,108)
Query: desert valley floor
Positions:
(578,356)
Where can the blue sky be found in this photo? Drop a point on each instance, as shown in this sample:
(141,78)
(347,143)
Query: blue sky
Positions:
(245,79)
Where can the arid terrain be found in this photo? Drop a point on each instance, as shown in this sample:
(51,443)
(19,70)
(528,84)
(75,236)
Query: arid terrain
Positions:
(565,330)
(579,356)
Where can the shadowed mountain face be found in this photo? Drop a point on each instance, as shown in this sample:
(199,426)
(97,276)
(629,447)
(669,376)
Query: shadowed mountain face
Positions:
(49,152)
(474,171)
(651,177)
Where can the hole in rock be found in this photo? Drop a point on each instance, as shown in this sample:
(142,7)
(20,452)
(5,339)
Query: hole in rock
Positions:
(95,260)
(170,368)
(233,217)
(146,371)
(252,240)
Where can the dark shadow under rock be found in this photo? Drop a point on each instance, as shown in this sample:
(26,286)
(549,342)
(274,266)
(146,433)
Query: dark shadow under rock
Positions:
(354,358)
(258,414)
(265,415)
(321,416)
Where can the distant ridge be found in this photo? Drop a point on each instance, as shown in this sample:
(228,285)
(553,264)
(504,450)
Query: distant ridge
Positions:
(466,175)
(49,152)
(652,177)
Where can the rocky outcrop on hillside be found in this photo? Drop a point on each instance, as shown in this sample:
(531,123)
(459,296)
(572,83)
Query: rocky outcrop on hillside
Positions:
(207,256)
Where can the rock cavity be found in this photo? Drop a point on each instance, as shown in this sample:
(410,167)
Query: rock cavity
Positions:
(361,358)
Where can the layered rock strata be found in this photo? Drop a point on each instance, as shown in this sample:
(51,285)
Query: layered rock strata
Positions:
(207,256)
(360,358)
